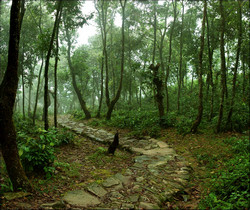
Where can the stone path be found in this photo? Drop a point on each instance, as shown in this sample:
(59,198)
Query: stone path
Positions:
(157,174)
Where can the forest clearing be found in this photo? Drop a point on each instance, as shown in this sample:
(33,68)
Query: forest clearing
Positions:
(152,112)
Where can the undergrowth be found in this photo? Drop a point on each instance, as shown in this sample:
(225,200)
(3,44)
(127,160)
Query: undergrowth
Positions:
(229,186)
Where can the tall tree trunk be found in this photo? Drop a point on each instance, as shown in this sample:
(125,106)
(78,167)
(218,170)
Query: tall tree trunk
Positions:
(40,71)
(55,74)
(23,92)
(210,74)
(170,53)
(229,117)
(117,96)
(37,92)
(158,83)
(155,22)
(46,85)
(180,64)
(8,90)
(101,97)
(200,109)
(223,68)
(72,72)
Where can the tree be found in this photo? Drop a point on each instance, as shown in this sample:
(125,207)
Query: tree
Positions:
(200,109)
(118,93)
(8,90)
(223,68)
(46,89)
(174,2)
(229,117)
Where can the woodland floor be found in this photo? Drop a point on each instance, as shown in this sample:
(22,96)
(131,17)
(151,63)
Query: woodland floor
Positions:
(77,164)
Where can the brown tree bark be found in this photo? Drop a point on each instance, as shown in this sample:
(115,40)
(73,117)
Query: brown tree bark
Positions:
(117,96)
(197,122)
(46,85)
(180,64)
(158,83)
(72,72)
(98,115)
(223,68)
(229,117)
(8,90)
(210,73)
(55,72)
(170,53)
(40,71)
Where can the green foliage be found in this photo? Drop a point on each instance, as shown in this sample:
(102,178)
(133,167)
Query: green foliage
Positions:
(229,187)
(37,154)
(140,122)
(37,146)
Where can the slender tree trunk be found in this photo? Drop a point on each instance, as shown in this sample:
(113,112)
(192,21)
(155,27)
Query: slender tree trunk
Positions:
(101,97)
(170,54)
(8,90)
(113,102)
(23,92)
(180,64)
(72,72)
(244,75)
(229,117)
(46,86)
(55,74)
(200,109)
(37,92)
(210,74)
(223,68)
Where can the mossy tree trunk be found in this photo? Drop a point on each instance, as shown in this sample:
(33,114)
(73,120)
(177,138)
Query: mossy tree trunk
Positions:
(223,68)
(200,72)
(8,90)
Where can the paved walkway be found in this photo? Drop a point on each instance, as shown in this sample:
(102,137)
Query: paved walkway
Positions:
(157,174)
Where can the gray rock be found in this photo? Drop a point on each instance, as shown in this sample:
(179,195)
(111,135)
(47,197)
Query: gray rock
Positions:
(134,198)
(115,195)
(81,198)
(13,195)
(24,206)
(97,190)
(111,181)
(128,206)
(124,179)
(145,205)
(55,205)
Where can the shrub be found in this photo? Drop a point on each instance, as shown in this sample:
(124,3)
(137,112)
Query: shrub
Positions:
(230,186)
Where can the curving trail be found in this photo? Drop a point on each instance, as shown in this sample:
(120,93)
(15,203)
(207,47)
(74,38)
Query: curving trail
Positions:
(157,174)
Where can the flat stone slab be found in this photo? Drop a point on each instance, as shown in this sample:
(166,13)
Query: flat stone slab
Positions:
(81,198)
(109,182)
(14,195)
(97,190)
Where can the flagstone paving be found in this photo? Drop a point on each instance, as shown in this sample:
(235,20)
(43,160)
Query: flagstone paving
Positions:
(158,173)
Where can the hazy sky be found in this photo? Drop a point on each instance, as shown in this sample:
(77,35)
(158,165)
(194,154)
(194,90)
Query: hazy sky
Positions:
(89,30)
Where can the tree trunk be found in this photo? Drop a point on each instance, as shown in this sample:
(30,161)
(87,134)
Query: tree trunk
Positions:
(180,64)
(158,83)
(46,86)
(37,92)
(229,120)
(72,72)
(117,96)
(170,54)
(223,68)
(200,109)
(210,74)
(23,92)
(101,97)
(8,90)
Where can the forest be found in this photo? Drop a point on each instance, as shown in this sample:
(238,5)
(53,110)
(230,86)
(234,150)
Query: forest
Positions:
(166,81)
